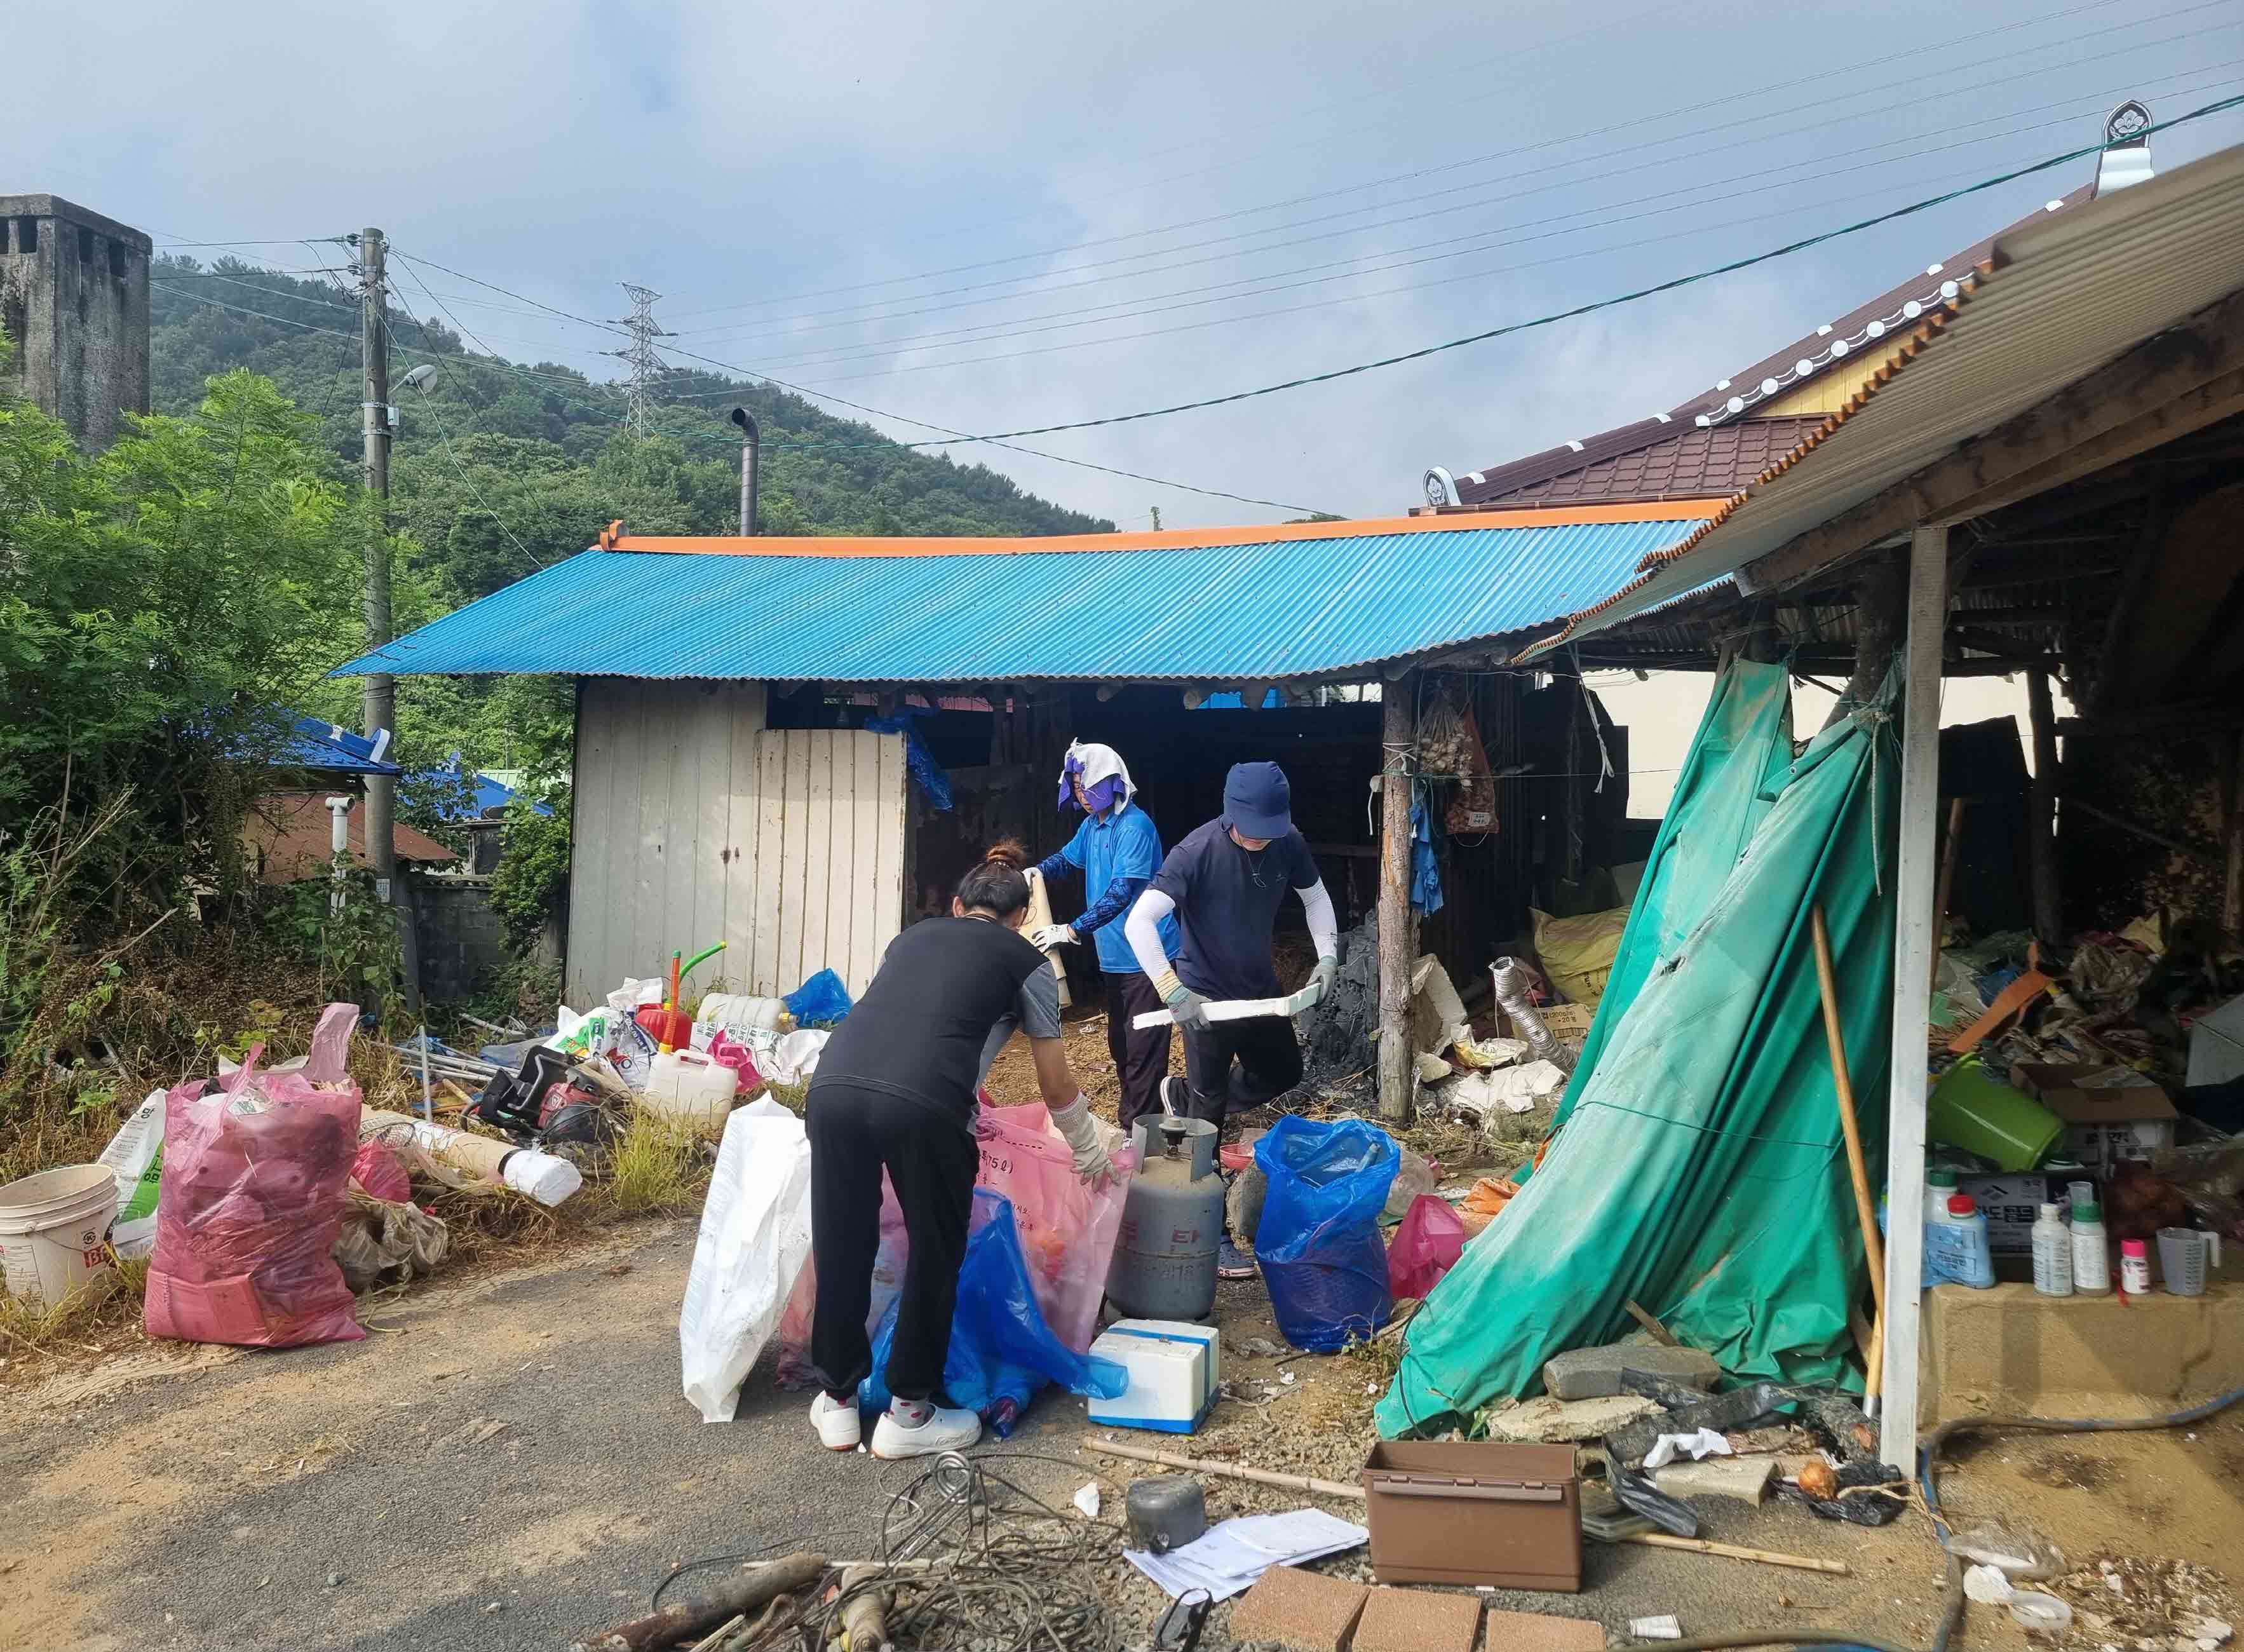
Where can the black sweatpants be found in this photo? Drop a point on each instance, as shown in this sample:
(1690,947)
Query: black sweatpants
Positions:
(1233,1065)
(1141,1058)
(931,1161)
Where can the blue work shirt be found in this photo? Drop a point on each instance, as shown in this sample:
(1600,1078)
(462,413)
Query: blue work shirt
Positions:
(1117,854)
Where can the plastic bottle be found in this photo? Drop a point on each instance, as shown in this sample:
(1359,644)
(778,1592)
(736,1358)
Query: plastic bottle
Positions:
(2091,1251)
(2135,1266)
(2053,1252)
(1973,1262)
(1939,1189)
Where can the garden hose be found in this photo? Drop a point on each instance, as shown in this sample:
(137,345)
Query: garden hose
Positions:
(1951,1612)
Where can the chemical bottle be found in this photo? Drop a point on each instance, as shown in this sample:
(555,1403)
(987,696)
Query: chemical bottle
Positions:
(2135,1266)
(1939,1189)
(2091,1251)
(2053,1252)
(1165,1254)
(1957,1248)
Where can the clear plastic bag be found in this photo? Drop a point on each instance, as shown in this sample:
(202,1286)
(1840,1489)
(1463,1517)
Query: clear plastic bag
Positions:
(251,1201)
(1001,1350)
(1426,1246)
(1318,1240)
(2019,1555)
(753,1243)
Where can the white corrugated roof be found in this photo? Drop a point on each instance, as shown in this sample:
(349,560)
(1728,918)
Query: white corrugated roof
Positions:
(2066,295)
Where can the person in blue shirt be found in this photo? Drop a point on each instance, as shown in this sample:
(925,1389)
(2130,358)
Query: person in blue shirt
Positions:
(1117,849)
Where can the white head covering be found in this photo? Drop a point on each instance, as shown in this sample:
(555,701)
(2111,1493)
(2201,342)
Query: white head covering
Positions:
(1092,763)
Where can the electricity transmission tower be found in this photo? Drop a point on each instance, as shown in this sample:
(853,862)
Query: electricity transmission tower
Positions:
(640,354)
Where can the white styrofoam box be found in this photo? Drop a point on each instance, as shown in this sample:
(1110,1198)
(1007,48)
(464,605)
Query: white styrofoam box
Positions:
(1174,1368)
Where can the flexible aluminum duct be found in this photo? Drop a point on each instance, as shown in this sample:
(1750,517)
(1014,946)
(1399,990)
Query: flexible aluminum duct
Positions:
(1512,978)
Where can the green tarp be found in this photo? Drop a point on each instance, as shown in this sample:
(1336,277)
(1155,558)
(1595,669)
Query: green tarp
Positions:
(1702,1171)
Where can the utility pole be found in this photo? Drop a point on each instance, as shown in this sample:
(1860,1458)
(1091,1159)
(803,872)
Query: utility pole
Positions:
(380,702)
(640,355)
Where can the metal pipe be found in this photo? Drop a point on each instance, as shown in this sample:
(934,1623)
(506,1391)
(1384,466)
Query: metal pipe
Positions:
(746,421)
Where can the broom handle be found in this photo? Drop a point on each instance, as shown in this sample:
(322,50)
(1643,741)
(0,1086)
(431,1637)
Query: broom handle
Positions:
(1865,1209)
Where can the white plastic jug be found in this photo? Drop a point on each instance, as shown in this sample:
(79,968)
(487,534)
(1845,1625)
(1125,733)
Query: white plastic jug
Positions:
(690,1084)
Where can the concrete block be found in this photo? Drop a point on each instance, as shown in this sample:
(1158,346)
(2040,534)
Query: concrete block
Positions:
(1593,1373)
(1417,1621)
(2014,1351)
(1305,1610)
(1549,1422)
(1744,1479)
(1533,1632)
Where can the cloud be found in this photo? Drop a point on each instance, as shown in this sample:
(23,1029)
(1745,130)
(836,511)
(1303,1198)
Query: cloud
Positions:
(764,155)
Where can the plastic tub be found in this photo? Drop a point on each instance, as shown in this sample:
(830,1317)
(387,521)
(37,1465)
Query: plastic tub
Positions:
(1972,1109)
(54,1230)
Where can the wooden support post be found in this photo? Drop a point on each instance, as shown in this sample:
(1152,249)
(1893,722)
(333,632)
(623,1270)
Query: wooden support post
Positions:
(2232,846)
(1398,736)
(2048,903)
(1913,948)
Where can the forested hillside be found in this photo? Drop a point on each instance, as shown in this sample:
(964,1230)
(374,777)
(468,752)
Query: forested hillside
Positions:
(499,468)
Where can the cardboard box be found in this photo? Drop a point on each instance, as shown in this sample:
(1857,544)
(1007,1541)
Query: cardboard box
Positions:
(2111,1114)
(2011,1205)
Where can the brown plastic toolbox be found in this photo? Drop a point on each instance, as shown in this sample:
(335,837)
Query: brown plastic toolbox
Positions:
(1474,1511)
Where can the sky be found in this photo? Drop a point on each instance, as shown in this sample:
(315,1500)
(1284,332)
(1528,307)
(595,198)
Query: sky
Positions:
(992,216)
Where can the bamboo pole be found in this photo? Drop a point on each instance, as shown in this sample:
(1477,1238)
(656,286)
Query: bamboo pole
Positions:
(1865,1209)
(1227,1470)
(1733,1552)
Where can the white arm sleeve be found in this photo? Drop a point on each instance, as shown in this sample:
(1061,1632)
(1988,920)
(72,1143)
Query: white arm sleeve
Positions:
(1324,927)
(1143,930)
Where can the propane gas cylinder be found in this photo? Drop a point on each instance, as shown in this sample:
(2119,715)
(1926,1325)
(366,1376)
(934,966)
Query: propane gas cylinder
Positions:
(1165,1256)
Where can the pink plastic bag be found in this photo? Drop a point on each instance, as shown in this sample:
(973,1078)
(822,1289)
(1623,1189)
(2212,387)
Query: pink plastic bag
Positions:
(379,1174)
(253,1192)
(1427,1245)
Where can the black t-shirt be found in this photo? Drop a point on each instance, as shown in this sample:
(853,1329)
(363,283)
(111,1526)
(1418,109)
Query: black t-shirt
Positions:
(919,1029)
(1226,901)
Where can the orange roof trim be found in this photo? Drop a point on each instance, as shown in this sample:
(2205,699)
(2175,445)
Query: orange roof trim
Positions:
(1168,539)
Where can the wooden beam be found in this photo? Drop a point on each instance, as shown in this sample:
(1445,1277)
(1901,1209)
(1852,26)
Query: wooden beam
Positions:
(1398,734)
(2055,441)
(2232,847)
(1913,942)
(2041,814)
(2185,720)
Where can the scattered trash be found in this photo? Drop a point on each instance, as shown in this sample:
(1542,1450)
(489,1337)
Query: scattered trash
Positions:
(1668,1628)
(1701,1443)
(545,1178)
(1484,1095)
(1743,1479)
(1987,1585)
(754,1240)
(388,1241)
(135,1156)
(1173,1368)
(794,1060)
(2017,1555)
(1165,1512)
(1227,1559)
(1087,1500)
(1425,1247)
(820,1001)
(1546,1420)
(2040,1613)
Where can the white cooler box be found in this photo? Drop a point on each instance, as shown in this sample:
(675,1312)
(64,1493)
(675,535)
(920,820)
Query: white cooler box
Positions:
(1175,1368)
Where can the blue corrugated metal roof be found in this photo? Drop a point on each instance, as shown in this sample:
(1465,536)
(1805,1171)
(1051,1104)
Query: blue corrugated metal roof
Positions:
(313,744)
(1292,607)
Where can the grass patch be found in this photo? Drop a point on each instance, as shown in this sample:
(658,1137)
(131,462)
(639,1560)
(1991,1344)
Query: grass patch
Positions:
(658,1166)
(108,1302)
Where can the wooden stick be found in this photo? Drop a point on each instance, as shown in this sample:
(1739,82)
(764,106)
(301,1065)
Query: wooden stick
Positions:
(1866,1210)
(1731,1551)
(1660,1334)
(1226,1471)
(744,1592)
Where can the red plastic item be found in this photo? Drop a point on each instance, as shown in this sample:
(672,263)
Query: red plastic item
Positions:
(1426,1246)
(727,1051)
(375,1169)
(673,1027)
(252,1196)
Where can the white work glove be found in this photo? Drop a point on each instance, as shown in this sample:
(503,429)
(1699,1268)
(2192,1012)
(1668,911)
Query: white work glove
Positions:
(1075,1122)
(1052,935)
(1325,977)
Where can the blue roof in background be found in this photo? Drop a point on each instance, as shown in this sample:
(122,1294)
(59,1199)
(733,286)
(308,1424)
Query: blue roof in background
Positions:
(1294,606)
(313,744)
(458,793)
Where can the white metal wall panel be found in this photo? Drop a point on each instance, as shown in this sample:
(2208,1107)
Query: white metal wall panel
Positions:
(696,823)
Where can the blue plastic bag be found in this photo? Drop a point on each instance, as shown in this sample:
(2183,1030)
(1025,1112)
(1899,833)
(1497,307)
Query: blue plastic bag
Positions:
(1318,1242)
(1001,1350)
(930,775)
(820,1001)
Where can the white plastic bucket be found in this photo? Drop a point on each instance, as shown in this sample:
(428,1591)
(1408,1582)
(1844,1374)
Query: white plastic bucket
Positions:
(54,1230)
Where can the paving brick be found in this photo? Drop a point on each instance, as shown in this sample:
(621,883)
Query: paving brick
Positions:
(1533,1632)
(1418,1621)
(1594,1373)
(1304,1610)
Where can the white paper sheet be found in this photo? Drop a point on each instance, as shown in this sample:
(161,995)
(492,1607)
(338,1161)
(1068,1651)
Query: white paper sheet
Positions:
(1230,1556)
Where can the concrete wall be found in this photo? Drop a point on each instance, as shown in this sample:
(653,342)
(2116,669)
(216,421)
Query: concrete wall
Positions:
(462,939)
(74,302)
(695,823)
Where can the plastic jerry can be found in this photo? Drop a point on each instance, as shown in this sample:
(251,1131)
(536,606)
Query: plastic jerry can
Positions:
(689,1085)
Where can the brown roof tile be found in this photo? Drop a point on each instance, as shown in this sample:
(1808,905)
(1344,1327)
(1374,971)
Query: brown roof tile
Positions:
(1678,461)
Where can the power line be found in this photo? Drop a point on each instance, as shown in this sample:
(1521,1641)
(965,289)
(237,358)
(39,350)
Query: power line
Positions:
(1488,157)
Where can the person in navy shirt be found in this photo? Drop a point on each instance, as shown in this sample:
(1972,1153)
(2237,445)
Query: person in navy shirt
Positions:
(1116,850)
(1222,886)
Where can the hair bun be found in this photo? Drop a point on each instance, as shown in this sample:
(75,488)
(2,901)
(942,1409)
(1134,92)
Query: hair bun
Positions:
(1007,852)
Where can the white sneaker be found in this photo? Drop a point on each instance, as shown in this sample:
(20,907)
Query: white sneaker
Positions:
(944,1431)
(837,1423)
